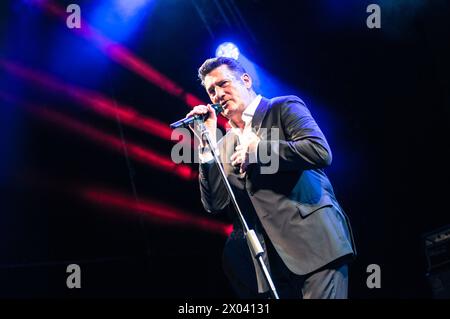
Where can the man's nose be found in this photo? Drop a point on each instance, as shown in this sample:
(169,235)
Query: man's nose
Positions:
(220,94)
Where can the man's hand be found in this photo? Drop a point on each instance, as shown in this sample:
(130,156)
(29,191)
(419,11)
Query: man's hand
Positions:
(240,158)
(210,123)
(245,153)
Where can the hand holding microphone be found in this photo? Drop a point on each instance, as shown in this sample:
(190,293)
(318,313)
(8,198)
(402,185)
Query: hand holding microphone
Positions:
(207,113)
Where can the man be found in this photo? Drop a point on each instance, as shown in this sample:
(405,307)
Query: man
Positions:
(304,232)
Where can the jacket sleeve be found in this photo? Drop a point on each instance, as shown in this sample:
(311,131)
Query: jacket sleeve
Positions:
(214,195)
(305,146)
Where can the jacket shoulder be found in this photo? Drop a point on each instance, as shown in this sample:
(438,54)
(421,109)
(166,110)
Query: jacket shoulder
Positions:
(280,100)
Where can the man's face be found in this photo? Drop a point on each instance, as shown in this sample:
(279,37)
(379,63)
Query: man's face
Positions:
(232,93)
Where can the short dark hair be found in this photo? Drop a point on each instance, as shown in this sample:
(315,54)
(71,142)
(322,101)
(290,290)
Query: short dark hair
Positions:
(214,63)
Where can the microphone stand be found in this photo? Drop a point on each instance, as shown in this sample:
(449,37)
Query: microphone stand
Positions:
(250,235)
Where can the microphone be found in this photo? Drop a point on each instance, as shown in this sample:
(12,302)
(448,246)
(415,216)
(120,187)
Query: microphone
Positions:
(188,120)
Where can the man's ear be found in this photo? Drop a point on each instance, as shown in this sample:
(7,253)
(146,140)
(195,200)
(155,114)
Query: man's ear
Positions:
(247,79)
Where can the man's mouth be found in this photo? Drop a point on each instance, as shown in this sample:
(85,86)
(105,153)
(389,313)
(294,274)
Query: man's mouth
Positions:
(225,104)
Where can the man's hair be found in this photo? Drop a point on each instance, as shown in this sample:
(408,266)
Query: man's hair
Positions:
(214,63)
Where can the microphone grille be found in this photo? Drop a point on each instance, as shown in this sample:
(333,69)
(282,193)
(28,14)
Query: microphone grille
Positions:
(217,107)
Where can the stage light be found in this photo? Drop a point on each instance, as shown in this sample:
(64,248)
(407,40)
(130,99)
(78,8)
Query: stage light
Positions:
(129,8)
(119,19)
(228,49)
(123,56)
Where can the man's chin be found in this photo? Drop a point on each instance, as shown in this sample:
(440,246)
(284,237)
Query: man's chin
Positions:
(226,114)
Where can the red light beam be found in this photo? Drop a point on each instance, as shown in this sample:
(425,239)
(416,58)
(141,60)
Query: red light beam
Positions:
(135,151)
(157,211)
(97,102)
(126,58)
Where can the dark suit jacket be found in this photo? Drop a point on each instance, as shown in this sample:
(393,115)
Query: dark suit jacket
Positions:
(296,205)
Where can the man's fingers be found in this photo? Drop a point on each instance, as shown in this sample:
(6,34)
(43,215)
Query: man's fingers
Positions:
(238,158)
(199,109)
(235,162)
(243,168)
(235,159)
(236,155)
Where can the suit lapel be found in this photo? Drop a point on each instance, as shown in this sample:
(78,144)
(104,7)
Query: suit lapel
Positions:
(260,113)
(257,119)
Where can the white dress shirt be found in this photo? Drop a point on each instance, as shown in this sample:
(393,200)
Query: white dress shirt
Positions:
(244,136)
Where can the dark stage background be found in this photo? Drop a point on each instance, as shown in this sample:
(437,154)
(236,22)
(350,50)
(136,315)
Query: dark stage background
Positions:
(79,179)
